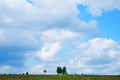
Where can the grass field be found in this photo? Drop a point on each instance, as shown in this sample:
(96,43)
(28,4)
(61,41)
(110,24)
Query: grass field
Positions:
(57,77)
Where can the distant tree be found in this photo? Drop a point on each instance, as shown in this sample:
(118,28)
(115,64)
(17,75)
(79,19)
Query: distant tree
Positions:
(64,71)
(82,74)
(10,74)
(5,74)
(45,71)
(27,73)
(59,70)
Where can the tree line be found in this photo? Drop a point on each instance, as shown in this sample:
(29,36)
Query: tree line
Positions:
(61,70)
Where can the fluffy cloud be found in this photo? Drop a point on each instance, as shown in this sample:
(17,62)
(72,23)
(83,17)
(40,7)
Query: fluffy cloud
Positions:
(11,69)
(96,46)
(52,42)
(48,51)
(96,8)
(15,44)
(19,37)
(98,55)
(37,69)
(28,20)
(22,24)
(4,69)
(58,35)
(42,15)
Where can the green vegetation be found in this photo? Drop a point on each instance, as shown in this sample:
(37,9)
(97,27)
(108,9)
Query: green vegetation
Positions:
(61,75)
(45,71)
(61,70)
(57,77)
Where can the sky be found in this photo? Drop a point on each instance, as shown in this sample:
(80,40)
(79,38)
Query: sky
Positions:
(37,35)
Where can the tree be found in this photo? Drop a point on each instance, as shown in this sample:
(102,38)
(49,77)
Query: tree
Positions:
(27,73)
(59,70)
(44,71)
(64,71)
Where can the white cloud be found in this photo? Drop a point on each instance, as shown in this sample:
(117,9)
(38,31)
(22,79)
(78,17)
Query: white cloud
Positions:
(6,19)
(112,53)
(97,7)
(4,69)
(28,21)
(10,69)
(59,10)
(48,51)
(58,35)
(37,69)
(89,28)
(52,42)
(97,46)
(20,38)
(41,26)
(97,56)
(14,4)
(43,15)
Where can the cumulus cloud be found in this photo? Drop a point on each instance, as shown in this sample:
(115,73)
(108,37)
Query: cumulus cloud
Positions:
(19,37)
(53,41)
(97,46)
(96,8)
(97,55)
(22,24)
(58,35)
(48,51)
(23,19)
(37,69)
(15,44)
(43,15)
(4,69)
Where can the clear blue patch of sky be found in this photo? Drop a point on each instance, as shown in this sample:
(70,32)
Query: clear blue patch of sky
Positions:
(12,58)
(31,62)
(109,24)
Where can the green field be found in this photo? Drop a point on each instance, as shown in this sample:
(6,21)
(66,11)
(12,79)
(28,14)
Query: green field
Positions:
(57,77)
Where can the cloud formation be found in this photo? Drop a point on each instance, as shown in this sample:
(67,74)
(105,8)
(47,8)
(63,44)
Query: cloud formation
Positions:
(49,51)
(96,8)
(99,55)
(44,30)
(53,41)
(23,23)
(43,15)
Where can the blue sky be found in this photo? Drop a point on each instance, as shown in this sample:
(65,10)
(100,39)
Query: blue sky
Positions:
(82,35)
(111,21)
